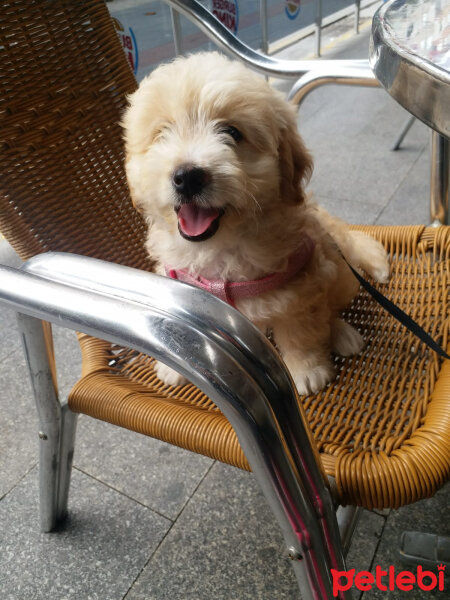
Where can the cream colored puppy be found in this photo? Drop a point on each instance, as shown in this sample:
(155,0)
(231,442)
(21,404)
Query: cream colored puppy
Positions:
(216,165)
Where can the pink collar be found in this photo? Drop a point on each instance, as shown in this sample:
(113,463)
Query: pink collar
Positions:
(231,291)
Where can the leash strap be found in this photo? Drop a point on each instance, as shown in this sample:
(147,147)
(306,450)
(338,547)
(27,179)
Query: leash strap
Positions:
(398,313)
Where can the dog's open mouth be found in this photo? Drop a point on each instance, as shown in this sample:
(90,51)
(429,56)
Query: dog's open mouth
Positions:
(197,223)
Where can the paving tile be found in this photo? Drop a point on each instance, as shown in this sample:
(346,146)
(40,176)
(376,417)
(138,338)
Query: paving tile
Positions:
(365,540)
(354,213)
(411,202)
(9,334)
(68,359)
(351,150)
(96,554)
(430,516)
(158,475)
(67,351)
(350,131)
(408,205)
(384,512)
(18,423)
(225,545)
(364,543)
(7,254)
(66,346)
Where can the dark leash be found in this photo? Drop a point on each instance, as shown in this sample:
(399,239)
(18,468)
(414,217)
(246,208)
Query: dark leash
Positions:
(398,313)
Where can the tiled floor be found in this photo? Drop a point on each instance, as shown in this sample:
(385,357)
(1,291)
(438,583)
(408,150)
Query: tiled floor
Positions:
(150,521)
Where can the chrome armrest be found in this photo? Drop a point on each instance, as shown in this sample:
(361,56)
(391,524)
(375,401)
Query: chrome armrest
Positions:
(360,74)
(231,45)
(222,353)
(310,74)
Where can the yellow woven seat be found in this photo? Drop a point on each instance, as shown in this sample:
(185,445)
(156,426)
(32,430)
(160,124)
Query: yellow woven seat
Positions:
(382,428)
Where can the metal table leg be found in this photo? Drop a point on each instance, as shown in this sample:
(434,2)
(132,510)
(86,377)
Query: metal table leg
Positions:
(440,165)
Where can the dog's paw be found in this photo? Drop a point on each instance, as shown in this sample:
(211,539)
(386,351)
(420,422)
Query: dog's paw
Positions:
(380,271)
(371,255)
(169,375)
(345,340)
(376,261)
(312,380)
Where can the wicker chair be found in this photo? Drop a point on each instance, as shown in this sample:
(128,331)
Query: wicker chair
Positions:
(382,429)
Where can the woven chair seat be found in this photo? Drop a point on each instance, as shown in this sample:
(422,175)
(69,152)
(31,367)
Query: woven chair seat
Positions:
(382,428)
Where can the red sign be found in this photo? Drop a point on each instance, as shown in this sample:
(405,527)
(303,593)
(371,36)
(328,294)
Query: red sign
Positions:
(227,12)
(129,44)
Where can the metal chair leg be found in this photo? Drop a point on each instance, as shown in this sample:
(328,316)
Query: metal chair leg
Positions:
(347,518)
(67,446)
(440,168)
(246,380)
(56,426)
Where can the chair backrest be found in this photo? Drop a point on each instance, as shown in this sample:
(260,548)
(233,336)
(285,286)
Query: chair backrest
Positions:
(63,86)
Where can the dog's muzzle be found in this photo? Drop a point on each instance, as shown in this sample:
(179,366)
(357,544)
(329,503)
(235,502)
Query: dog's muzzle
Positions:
(196,222)
(189,181)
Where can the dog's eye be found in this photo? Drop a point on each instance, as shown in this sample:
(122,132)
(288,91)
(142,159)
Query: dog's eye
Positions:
(232,132)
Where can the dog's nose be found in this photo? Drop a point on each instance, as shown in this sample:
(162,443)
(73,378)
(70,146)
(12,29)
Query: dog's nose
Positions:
(189,180)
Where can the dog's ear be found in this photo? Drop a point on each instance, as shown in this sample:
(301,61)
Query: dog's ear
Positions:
(295,166)
(136,206)
(133,195)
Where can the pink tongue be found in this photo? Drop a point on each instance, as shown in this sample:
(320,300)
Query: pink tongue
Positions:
(195,220)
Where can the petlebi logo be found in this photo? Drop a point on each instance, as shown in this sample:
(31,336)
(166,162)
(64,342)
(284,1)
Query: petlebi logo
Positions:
(388,580)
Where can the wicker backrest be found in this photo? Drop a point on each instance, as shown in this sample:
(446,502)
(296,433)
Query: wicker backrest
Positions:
(63,85)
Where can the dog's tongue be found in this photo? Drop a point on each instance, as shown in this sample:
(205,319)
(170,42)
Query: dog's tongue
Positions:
(195,220)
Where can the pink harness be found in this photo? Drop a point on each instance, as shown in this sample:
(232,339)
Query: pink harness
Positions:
(231,291)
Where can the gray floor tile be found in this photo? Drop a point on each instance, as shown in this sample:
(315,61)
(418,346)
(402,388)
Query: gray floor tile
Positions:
(7,255)
(225,545)
(68,359)
(365,541)
(18,423)
(427,515)
(350,132)
(9,334)
(96,555)
(353,160)
(364,544)
(356,214)
(158,475)
(411,201)
(229,546)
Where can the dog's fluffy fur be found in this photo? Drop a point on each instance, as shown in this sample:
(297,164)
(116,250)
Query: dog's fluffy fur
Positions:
(211,113)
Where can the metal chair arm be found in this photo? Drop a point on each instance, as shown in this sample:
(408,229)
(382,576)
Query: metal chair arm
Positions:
(340,74)
(222,353)
(231,45)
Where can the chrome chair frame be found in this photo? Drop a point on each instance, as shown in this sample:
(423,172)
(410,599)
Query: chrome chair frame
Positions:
(232,363)
(220,351)
(267,65)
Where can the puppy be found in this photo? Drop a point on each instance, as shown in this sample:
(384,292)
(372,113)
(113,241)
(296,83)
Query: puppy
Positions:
(215,164)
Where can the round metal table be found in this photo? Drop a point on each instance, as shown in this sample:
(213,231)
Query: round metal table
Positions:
(410,56)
